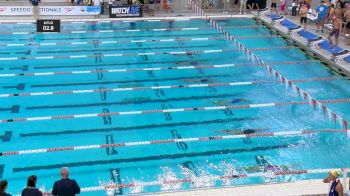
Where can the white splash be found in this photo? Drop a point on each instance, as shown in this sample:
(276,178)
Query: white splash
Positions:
(168,175)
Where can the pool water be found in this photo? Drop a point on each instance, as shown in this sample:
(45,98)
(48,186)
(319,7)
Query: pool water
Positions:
(137,55)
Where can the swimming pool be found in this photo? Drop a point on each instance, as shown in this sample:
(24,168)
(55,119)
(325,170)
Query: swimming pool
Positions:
(149,81)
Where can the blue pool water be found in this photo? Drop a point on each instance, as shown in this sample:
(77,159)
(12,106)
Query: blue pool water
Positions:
(148,163)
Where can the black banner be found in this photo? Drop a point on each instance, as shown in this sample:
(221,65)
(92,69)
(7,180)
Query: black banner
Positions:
(125,11)
(48,25)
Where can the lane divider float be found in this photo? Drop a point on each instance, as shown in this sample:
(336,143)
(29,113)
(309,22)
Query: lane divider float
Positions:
(139,54)
(127,41)
(167,141)
(123,30)
(201,85)
(5,75)
(317,105)
(154,111)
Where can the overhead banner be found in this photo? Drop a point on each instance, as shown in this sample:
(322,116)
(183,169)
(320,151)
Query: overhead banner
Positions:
(16,10)
(69,10)
(125,11)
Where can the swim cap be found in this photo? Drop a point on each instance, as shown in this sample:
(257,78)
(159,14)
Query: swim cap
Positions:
(334,173)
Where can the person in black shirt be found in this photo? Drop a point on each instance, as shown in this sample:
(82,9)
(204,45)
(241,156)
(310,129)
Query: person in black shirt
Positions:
(65,186)
(31,190)
(3,187)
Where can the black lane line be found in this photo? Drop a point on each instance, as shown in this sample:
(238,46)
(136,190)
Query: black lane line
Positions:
(13,109)
(152,126)
(2,168)
(80,38)
(137,100)
(20,86)
(6,137)
(132,81)
(4,53)
(123,64)
(23,68)
(154,158)
(124,49)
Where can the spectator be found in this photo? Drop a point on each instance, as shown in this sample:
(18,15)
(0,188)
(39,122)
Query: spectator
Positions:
(294,7)
(65,186)
(243,6)
(347,23)
(274,5)
(321,16)
(3,187)
(303,15)
(283,7)
(337,25)
(151,7)
(227,6)
(31,190)
(335,188)
(35,4)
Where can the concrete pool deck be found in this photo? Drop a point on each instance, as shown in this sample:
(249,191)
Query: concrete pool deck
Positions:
(302,187)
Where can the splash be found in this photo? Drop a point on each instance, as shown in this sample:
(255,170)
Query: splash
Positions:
(168,175)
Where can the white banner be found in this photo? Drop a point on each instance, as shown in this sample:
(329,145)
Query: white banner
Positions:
(16,10)
(69,10)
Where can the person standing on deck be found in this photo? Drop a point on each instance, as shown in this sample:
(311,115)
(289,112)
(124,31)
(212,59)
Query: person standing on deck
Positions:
(335,186)
(321,16)
(346,16)
(3,187)
(31,190)
(243,7)
(65,186)
(274,6)
(303,15)
(36,11)
(337,26)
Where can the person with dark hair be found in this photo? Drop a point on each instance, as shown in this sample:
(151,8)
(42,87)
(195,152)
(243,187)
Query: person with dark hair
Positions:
(65,186)
(3,187)
(31,190)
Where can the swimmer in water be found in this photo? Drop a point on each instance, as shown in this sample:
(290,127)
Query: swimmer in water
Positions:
(232,101)
(198,80)
(239,132)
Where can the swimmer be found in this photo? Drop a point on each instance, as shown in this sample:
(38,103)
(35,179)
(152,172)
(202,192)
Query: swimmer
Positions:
(266,165)
(198,80)
(239,132)
(232,101)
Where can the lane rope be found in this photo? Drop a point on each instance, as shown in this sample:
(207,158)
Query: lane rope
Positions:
(123,30)
(219,66)
(128,41)
(317,105)
(167,141)
(140,54)
(153,111)
(140,88)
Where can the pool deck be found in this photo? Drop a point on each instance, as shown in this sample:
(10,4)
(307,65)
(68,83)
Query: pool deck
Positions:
(303,187)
